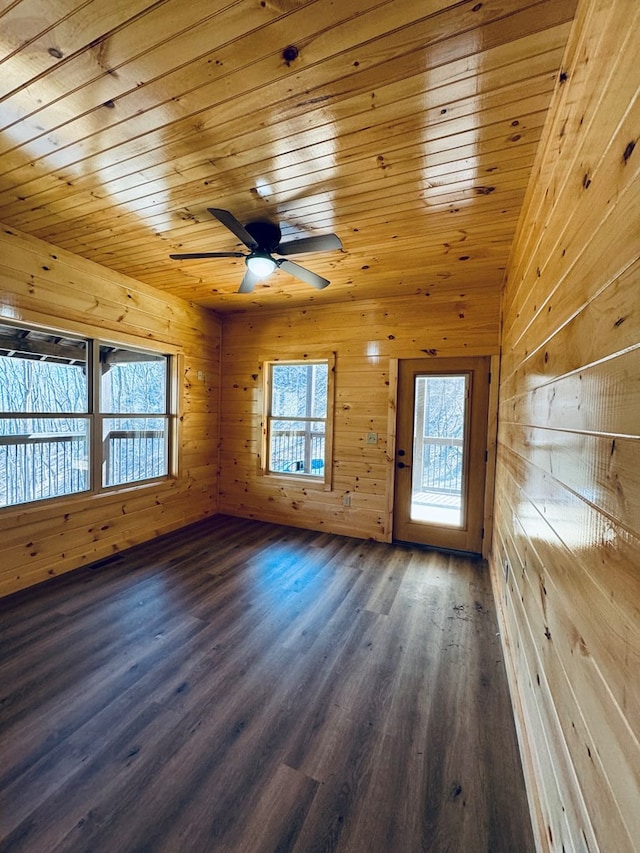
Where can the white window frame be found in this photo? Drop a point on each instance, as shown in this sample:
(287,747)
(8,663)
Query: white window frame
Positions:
(94,417)
(310,480)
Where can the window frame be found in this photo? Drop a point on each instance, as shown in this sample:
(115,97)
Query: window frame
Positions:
(95,417)
(101,416)
(310,480)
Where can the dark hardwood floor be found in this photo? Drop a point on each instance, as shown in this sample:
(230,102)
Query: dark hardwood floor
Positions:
(240,686)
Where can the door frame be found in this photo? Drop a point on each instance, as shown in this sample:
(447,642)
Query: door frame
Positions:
(491,441)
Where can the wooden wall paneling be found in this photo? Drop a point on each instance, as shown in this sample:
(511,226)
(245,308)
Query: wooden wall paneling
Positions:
(591,333)
(585,262)
(601,470)
(592,400)
(368,338)
(44,285)
(604,608)
(559,813)
(48,276)
(492,444)
(589,163)
(392,426)
(588,26)
(567,490)
(581,724)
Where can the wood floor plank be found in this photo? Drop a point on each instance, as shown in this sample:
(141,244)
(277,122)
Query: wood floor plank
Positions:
(240,686)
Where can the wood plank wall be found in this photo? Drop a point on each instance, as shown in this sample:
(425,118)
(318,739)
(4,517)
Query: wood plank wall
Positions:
(43,285)
(366,336)
(566,549)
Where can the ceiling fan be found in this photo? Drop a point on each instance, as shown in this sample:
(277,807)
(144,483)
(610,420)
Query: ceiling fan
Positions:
(262,239)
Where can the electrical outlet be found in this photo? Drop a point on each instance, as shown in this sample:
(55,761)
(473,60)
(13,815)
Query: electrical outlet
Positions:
(372,438)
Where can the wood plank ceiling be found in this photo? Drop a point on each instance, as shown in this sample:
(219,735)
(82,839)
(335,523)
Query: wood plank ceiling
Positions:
(407,127)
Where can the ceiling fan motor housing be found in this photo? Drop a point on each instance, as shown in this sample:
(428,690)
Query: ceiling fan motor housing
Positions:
(266,234)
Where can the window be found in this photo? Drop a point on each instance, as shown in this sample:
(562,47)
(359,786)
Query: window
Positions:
(298,418)
(77,415)
(133,392)
(44,420)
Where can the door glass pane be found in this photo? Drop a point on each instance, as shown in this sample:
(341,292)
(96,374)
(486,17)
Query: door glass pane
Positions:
(440,405)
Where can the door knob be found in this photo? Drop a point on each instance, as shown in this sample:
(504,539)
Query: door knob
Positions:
(402,465)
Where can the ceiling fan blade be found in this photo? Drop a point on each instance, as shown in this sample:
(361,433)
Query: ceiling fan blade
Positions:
(303,274)
(190,255)
(249,282)
(229,220)
(321,243)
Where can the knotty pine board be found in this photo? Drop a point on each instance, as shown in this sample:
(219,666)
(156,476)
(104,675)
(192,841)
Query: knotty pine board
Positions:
(47,286)
(452,324)
(566,547)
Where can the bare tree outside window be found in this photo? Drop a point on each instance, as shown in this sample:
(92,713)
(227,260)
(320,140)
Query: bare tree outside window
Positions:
(297,418)
(47,430)
(438,452)
(133,388)
(44,424)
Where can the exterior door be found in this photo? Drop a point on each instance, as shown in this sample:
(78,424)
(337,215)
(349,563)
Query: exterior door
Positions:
(441,452)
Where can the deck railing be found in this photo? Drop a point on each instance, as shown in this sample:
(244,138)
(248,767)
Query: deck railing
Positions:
(35,466)
(440,461)
(133,454)
(297,451)
(42,465)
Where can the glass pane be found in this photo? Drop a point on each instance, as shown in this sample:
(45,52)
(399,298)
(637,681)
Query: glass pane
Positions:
(42,373)
(438,449)
(299,390)
(133,449)
(133,382)
(42,458)
(297,447)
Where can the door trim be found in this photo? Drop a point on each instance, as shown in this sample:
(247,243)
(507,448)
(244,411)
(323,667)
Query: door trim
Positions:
(468,538)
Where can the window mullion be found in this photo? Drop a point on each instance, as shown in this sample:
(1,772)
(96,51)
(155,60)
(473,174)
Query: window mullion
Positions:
(96,418)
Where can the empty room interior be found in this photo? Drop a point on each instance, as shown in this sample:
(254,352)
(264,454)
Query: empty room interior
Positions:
(320,426)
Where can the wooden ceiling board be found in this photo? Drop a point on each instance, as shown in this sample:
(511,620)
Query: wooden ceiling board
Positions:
(409,129)
(512,118)
(253,148)
(252,143)
(467,150)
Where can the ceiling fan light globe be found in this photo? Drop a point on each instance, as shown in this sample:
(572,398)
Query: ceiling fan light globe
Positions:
(260,264)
